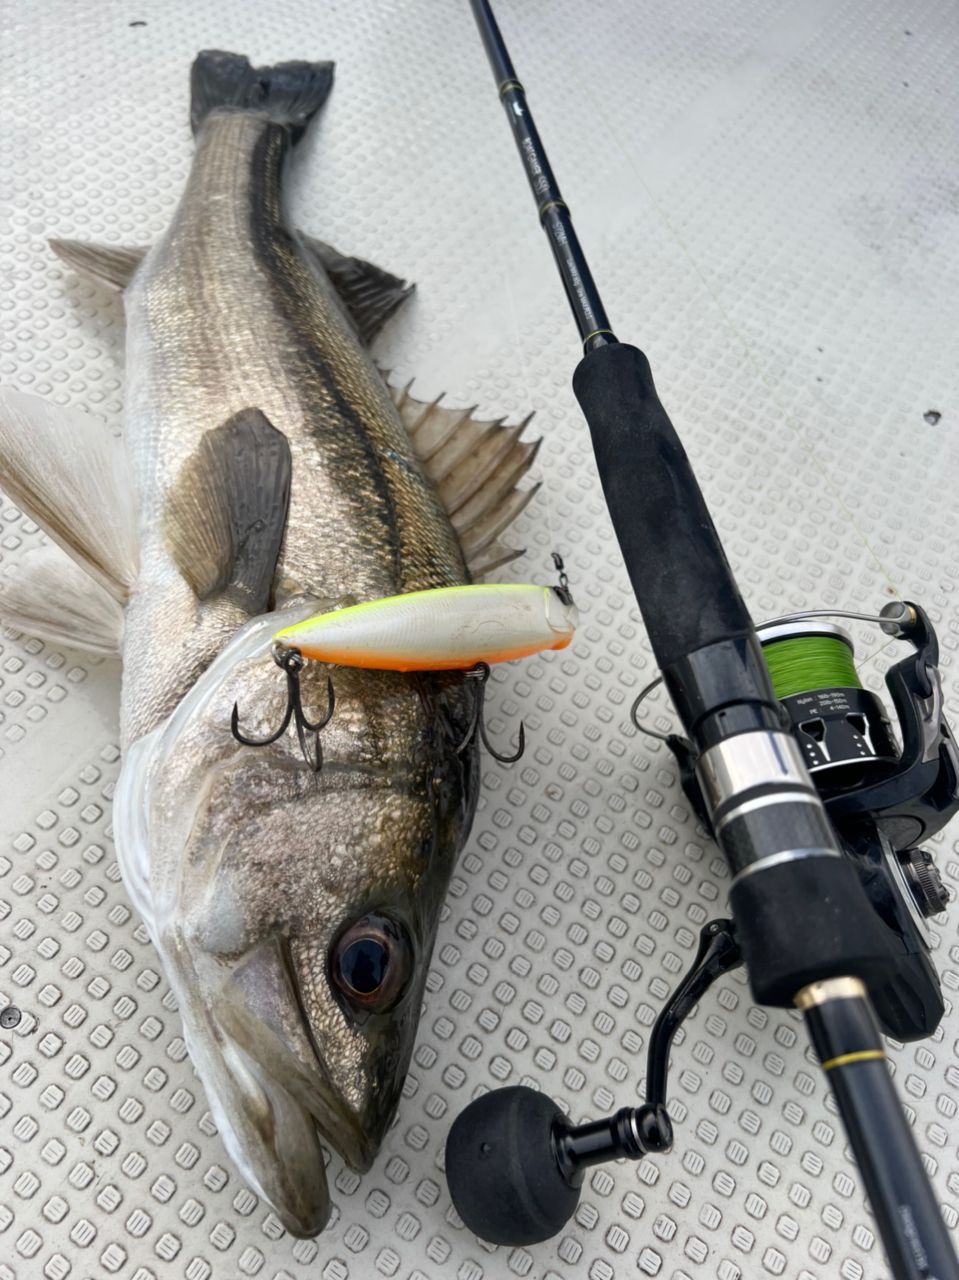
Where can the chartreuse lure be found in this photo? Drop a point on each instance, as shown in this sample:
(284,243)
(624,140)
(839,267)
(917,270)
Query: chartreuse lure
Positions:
(448,629)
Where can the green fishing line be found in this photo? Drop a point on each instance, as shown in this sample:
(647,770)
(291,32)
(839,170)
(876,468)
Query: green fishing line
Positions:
(805,663)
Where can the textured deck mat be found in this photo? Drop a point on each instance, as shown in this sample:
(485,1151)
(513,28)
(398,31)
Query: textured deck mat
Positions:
(769,194)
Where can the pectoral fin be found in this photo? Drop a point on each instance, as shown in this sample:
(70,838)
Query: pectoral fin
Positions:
(67,472)
(109,264)
(369,293)
(51,597)
(227,512)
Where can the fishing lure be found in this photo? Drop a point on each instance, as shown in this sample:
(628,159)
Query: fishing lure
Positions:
(451,629)
(464,628)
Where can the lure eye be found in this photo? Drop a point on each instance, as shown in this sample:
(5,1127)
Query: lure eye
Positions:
(371,963)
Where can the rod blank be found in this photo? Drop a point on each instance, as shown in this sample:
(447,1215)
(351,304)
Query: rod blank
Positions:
(581,292)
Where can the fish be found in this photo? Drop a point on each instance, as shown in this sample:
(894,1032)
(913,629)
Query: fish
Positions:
(267,473)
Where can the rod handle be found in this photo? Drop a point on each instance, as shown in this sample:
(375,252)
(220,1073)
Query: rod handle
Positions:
(675,561)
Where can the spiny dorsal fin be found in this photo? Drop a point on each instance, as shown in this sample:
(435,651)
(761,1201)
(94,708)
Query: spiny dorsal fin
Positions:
(483,532)
(51,597)
(495,491)
(109,264)
(70,475)
(227,511)
(475,465)
(369,293)
(494,557)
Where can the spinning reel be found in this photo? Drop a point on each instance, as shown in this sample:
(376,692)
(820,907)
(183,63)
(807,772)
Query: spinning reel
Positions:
(883,801)
(514,1163)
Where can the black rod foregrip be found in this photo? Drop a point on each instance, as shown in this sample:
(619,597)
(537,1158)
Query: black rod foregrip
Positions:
(847,1040)
(683,583)
(767,815)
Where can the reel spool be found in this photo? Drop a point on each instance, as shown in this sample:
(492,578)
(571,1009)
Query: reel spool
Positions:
(841,727)
(908,792)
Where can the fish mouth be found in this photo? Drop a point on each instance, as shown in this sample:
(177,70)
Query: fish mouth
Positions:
(292,1178)
(274,1070)
(338,1126)
(277,1035)
(260,1097)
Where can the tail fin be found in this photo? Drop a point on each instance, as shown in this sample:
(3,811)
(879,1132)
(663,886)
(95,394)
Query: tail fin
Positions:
(290,93)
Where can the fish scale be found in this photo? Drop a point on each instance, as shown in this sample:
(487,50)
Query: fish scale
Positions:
(274,478)
(360,524)
(275,334)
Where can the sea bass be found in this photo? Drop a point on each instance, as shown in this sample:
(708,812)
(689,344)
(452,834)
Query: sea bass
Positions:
(267,474)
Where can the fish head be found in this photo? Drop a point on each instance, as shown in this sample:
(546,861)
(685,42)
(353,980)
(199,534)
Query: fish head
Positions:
(296,911)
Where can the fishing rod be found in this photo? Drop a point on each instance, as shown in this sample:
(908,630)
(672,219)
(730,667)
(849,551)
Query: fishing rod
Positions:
(794,768)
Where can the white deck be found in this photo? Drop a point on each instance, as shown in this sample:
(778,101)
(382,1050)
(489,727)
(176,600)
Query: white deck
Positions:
(768,196)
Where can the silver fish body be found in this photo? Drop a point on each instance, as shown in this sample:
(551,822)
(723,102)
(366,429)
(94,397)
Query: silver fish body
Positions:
(250,871)
(266,475)
(228,313)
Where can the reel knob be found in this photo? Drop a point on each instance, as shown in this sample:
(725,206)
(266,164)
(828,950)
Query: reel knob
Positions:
(515,1164)
(502,1168)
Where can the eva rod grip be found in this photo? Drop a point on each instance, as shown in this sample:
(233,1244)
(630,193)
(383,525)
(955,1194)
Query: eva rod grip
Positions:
(683,584)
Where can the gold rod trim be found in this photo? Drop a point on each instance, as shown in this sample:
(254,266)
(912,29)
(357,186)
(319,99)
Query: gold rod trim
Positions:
(830,989)
(863,1055)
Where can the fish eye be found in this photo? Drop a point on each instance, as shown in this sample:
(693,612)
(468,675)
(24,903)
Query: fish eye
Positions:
(371,963)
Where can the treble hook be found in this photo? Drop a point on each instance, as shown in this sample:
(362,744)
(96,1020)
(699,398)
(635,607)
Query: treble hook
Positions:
(481,672)
(291,662)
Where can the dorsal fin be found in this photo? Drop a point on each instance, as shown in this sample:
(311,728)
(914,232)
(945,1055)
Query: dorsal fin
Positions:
(226,513)
(494,493)
(369,293)
(476,465)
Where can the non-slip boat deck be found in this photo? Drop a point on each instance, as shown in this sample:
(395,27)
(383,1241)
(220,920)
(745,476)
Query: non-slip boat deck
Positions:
(768,193)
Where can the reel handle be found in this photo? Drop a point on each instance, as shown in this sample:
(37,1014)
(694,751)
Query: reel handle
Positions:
(514,1163)
(501,1167)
